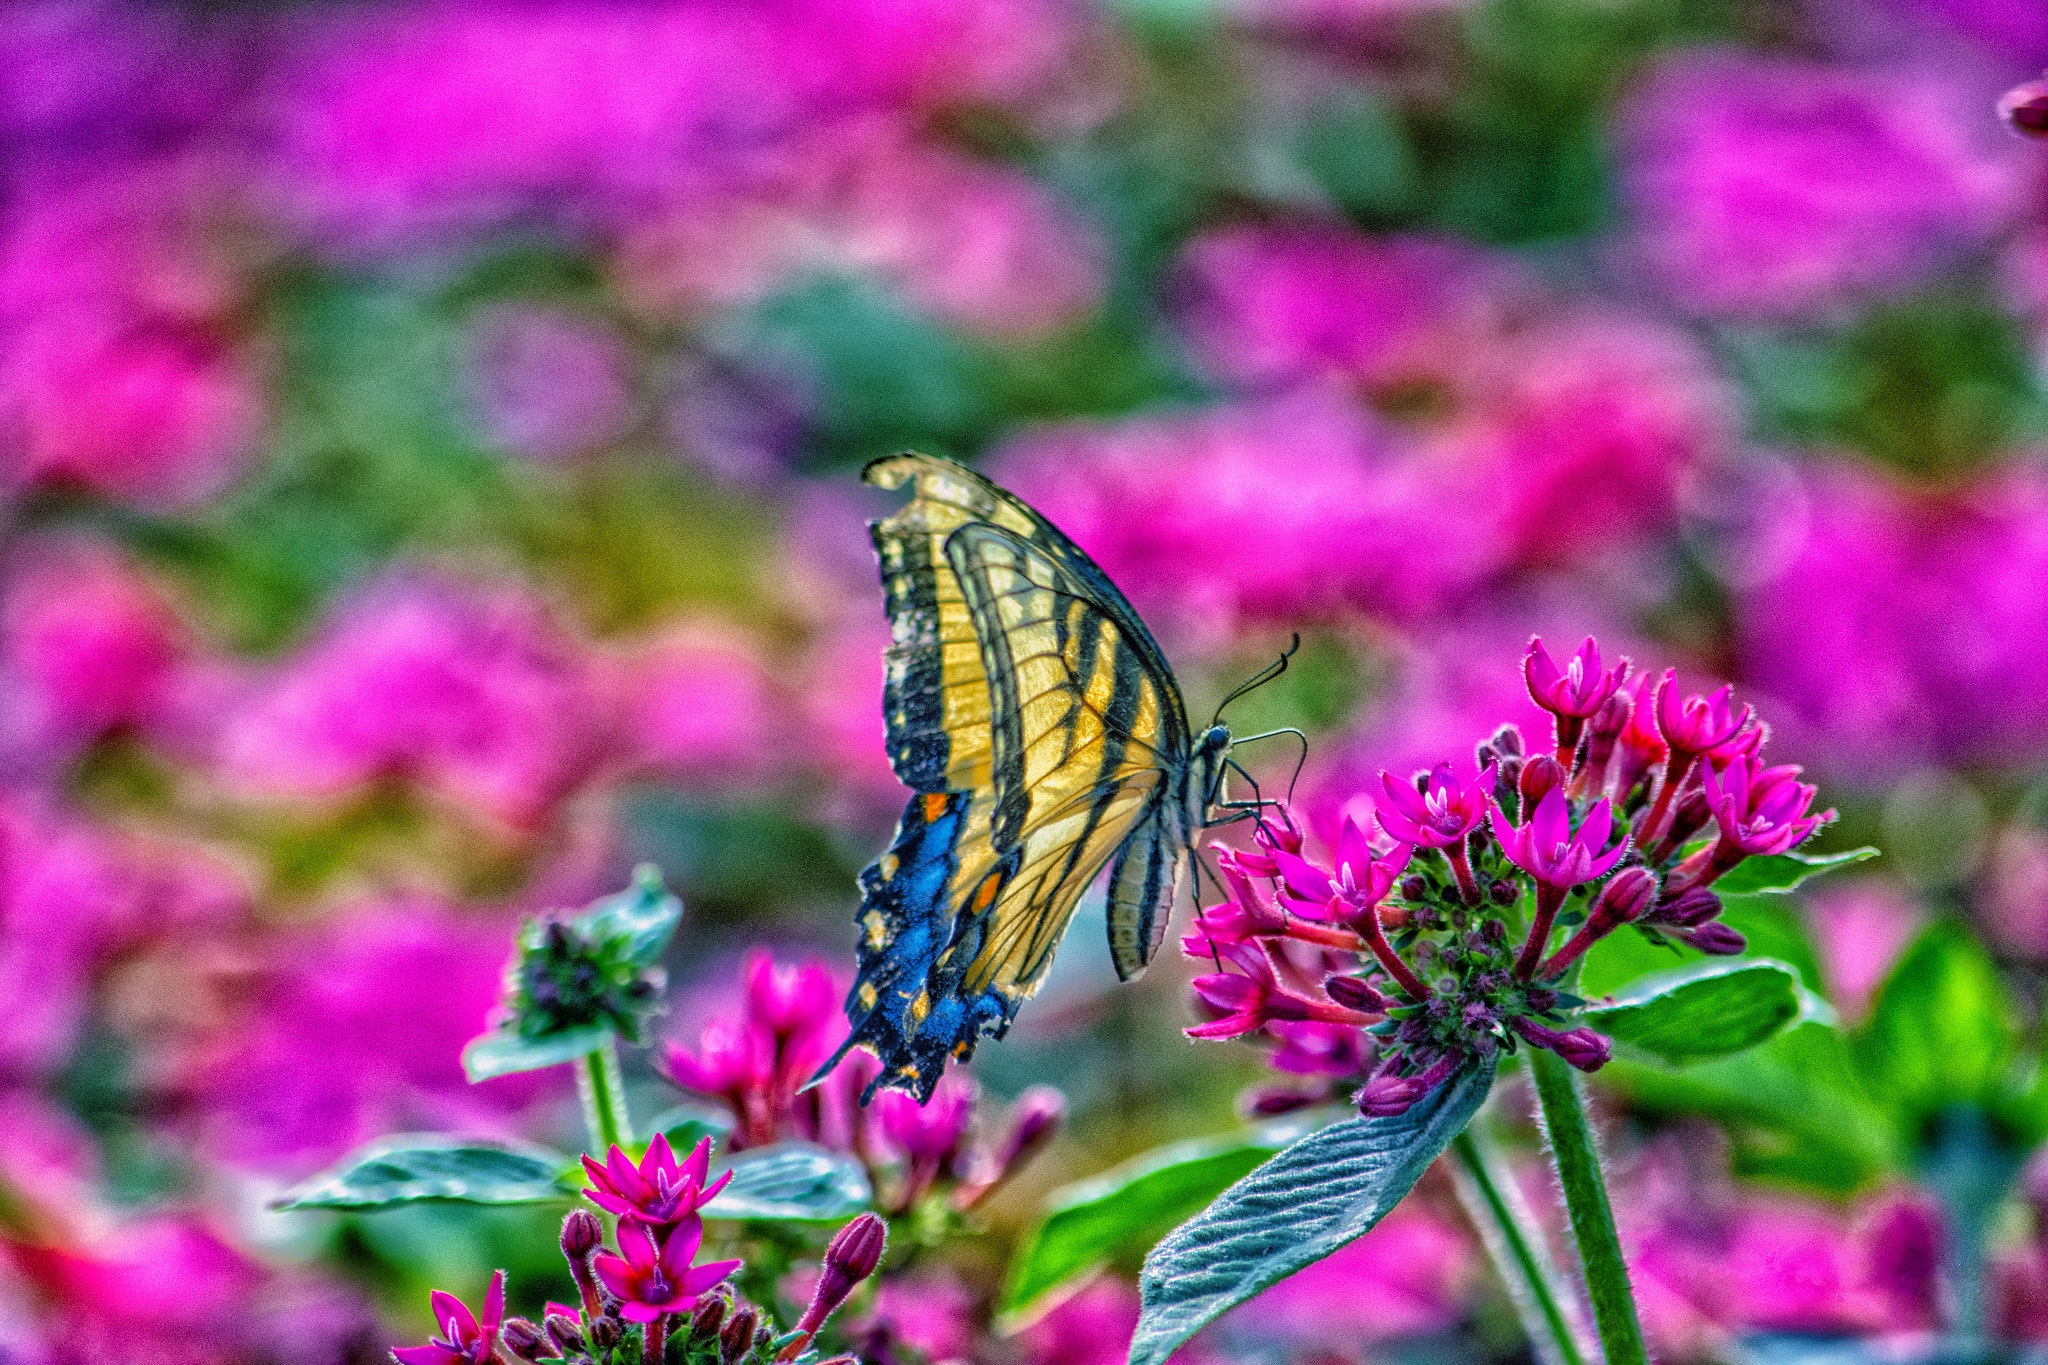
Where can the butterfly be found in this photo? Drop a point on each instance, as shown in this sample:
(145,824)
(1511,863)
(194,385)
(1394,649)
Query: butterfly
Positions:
(1043,735)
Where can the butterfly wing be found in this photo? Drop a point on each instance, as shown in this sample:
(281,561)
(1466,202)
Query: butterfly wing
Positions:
(1037,718)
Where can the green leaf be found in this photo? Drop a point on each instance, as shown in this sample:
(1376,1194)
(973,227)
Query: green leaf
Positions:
(1703,1009)
(688,1124)
(1086,1225)
(1942,1029)
(793,1182)
(499,1053)
(1785,871)
(413,1167)
(1316,1197)
(644,915)
(1794,1108)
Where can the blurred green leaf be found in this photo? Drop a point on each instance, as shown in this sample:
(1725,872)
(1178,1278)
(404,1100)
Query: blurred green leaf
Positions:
(644,916)
(1087,1225)
(1942,1030)
(499,1053)
(408,1168)
(1357,151)
(1318,1196)
(1774,928)
(792,1182)
(1785,871)
(1704,1009)
(685,1125)
(1795,1108)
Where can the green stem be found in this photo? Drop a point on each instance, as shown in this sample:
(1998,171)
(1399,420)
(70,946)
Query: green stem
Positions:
(1577,1159)
(1488,1192)
(602,1089)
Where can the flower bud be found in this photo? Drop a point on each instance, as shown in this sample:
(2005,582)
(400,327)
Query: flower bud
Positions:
(1540,775)
(710,1315)
(1271,1101)
(1353,993)
(855,1251)
(1716,939)
(605,1332)
(1413,888)
(738,1336)
(2025,109)
(1507,742)
(1688,818)
(1626,898)
(1503,891)
(1581,1047)
(582,1234)
(523,1339)
(565,1334)
(1690,908)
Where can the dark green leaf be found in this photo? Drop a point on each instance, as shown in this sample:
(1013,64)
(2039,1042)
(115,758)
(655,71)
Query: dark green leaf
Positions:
(688,1124)
(793,1182)
(645,915)
(410,1168)
(1703,1009)
(1130,1207)
(1942,1028)
(1785,871)
(1319,1195)
(499,1053)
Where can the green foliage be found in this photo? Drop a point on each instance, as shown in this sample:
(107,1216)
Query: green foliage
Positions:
(1786,871)
(1090,1224)
(1942,1030)
(409,1168)
(1704,1009)
(1316,1197)
(793,1182)
(503,1053)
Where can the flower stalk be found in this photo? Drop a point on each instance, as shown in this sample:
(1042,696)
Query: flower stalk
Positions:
(1576,1158)
(1515,1244)
(601,1087)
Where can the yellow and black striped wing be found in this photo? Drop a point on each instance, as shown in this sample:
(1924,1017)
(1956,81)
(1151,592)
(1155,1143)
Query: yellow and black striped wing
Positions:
(1037,717)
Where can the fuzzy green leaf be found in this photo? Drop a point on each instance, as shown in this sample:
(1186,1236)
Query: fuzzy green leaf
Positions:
(1703,1009)
(644,916)
(500,1053)
(1316,1197)
(793,1182)
(412,1167)
(1785,871)
(1086,1225)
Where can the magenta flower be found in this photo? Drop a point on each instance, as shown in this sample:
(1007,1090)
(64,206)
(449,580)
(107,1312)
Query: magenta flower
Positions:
(1254,997)
(660,1191)
(1388,1094)
(1572,693)
(2025,108)
(1441,814)
(1698,725)
(734,1061)
(1762,811)
(653,1279)
(1360,878)
(926,1132)
(1551,851)
(463,1340)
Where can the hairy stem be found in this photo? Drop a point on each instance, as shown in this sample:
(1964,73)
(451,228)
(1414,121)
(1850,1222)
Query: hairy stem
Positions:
(1577,1161)
(602,1089)
(1487,1190)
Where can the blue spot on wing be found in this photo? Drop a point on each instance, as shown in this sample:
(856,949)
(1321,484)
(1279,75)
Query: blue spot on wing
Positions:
(913,898)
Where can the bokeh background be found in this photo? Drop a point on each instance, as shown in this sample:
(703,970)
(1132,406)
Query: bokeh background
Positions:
(428,452)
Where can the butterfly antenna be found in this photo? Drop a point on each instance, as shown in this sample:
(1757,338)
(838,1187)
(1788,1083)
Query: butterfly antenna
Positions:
(1260,678)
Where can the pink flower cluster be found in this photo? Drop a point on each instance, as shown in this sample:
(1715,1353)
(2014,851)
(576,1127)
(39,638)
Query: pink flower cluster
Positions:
(1766,187)
(758,1063)
(1615,817)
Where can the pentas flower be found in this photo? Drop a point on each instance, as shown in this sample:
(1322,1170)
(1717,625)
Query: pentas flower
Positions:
(924,1143)
(1438,812)
(1253,996)
(1758,811)
(653,1278)
(464,1340)
(1558,857)
(1640,748)
(757,1062)
(1360,875)
(660,1192)
(1572,693)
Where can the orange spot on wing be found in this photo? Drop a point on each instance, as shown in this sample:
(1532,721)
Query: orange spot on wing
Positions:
(934,807)
(986,892)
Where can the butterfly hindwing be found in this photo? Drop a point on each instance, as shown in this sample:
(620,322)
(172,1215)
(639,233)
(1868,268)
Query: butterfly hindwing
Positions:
(1039,723)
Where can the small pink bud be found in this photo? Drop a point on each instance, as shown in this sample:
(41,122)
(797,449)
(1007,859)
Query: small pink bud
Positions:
(1690,908)
(582,1234)
(1034,1120)
(1581,1047)
(710,1315)
(1627,897)
(523,1339)
(2025,109)
(565,1335)
(855,1251)
(1272,1101)
(1716,940)
(737,1338)
(1507,742)
(1540,776)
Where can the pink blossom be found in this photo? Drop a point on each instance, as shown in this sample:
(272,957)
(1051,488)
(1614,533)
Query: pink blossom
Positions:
(1441,814)
(1578,689)
(653,1278)
(659,1191)
(1359,874)
(469,690)
(1770,187)
(1094,1326)
(86,646)
(1549,849)
(464,1340)
(700,706)
(1412,1274)
(927,1133)
(546,384)
(1761,811)
(2015,892)
(1698,724)
(929,1311)
(1908,628)
(327,993)
(1858,930)
(1253,996)
(757,1060)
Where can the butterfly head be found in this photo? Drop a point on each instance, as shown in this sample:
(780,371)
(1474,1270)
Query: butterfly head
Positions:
(1211,752)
